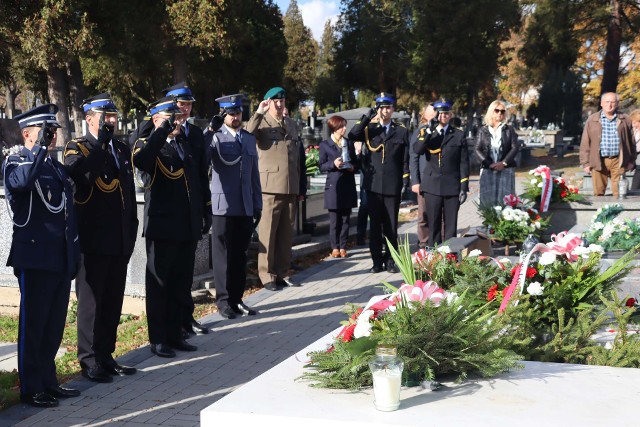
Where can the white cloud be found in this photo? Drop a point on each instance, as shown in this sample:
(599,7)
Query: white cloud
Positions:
(315,14)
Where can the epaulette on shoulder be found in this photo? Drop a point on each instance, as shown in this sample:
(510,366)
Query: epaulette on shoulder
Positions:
(140,142)
(79,143)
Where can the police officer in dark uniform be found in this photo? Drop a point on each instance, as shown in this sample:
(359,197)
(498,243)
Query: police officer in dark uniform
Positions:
(385,163)
(236,197)
(44,253)
(174,219)
(195,139)
(445,179)
(100,166)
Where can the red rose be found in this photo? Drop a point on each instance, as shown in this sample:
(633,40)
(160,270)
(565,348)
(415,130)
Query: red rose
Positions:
(631,302)
(563,194)
(504,291)
(531,272)
(493,292)
(452,257)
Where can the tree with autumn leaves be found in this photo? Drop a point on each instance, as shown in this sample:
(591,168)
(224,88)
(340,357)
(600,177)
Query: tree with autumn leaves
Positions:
(472,52)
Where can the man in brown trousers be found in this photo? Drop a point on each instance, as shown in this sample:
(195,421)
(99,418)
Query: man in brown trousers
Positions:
(282,177)
(607,148)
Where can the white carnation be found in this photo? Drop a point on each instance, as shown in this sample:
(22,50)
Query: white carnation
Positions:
(444,249)
(363,326)
(535,288)
(474,253)
(547,258)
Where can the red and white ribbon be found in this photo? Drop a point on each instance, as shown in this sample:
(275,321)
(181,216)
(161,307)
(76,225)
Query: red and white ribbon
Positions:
(547,187)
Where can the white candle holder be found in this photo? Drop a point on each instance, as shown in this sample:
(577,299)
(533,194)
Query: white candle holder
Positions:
(386,369)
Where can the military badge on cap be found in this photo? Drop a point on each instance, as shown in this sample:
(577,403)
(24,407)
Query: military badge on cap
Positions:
(165,105)
(37,116)
(180,91)
(275,93)
(385,99)
(100,103)
(231,104)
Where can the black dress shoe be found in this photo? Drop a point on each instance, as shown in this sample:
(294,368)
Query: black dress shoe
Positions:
(182,345)
(271,286)
(242,308)
(287,282)
(97,375)
(198,329)
(391,268)
(62,392)
(376,269)
(39,400)
(186,333)
(114,368)
(227,312)
(162,350)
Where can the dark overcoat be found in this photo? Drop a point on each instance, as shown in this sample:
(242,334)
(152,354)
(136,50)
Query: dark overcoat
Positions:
(384,158)
(340,186)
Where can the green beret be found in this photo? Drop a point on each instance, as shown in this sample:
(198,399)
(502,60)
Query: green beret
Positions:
(274,93)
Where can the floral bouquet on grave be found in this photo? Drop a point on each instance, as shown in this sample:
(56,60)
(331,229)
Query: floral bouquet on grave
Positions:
(512,221)
(557,286)
(435,332)
(474,274)
(543,188)
(611,232)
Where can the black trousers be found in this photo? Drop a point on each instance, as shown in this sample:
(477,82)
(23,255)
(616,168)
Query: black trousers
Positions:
(169,272)
(339,228)
(363,213)
(383,211)
(100,289)
(44,298)
(230,238)
(441,209)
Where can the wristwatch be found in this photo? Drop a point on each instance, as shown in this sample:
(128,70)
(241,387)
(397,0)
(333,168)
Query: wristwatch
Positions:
(505,164)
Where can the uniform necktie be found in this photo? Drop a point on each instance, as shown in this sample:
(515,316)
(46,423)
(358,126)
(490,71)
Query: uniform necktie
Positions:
(177,147)
(442,131)
(115,155)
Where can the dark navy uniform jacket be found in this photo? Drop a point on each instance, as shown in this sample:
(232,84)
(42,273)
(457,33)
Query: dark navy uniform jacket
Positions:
(383,169)
(447,169)
(48,241)
(176,189)
(235,189)
(105,196)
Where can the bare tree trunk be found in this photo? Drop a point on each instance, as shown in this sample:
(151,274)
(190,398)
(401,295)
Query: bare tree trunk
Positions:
(180,68)
(76,93)
(11,93)
(612,56)
(58,94)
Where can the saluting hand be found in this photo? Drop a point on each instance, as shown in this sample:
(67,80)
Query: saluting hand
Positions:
(264,106)
(169,125)
(45,136)
(105,132)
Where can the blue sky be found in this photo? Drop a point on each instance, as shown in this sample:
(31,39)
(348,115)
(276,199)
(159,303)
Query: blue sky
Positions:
(314,13)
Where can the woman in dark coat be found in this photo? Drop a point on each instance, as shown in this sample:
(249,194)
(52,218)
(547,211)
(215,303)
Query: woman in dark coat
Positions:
(496,148)
(340,189)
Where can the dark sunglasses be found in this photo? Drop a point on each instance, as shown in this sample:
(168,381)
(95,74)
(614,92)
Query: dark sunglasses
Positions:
(499,111)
